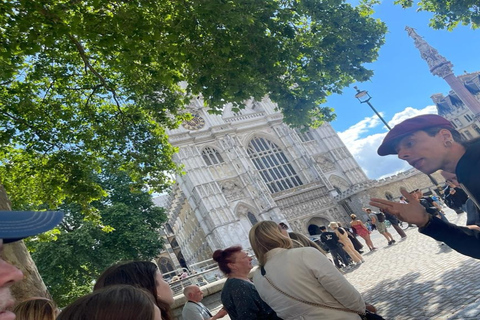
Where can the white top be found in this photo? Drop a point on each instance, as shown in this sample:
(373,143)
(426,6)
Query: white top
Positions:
(308,275)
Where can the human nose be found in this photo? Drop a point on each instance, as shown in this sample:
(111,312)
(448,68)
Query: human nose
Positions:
(402,153)
(9,274)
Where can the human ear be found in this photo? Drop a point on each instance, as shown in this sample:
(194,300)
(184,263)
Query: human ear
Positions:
(446,135)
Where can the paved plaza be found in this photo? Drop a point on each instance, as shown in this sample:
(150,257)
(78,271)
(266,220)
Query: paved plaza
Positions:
(419,279)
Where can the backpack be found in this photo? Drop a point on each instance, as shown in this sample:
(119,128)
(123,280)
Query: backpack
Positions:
(380,217)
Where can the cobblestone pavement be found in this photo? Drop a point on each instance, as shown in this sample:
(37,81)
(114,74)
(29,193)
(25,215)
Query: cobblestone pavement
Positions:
(418,279)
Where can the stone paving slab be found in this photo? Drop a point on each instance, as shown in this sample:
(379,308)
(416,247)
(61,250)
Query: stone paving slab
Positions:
(418,279)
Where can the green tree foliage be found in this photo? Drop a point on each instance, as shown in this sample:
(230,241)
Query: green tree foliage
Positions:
(448,13)
(83,249)
(92,82)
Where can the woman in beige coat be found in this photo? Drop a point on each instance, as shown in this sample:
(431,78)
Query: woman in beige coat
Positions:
(347,243)
(303,275)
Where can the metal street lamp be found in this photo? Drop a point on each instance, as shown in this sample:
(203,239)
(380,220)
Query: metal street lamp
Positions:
(364,97)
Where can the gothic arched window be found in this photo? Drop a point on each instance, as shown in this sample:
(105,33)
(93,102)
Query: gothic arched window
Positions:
(389,196)
(165,265)
(273,165)
(211,156)
(252,218)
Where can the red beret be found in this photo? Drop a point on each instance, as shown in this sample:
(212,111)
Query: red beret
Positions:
(410,126)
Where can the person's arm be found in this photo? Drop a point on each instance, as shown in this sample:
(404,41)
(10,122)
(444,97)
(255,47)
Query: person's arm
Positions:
(333,281)
(220,314)
(461,239)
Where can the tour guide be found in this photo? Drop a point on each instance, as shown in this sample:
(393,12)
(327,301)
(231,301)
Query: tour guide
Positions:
(430,143)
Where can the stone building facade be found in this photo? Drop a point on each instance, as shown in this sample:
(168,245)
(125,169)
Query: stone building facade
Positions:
(452,108)
(245,166)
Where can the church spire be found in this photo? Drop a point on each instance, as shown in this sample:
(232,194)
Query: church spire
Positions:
(439,66)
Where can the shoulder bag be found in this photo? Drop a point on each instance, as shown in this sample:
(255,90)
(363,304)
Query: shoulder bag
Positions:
(364,316)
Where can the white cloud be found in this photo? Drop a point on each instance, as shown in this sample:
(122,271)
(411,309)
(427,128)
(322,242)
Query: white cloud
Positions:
(363,143)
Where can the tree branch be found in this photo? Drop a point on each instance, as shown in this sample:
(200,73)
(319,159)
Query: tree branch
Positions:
(84,57)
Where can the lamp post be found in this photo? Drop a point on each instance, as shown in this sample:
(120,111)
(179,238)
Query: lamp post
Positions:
(364,97)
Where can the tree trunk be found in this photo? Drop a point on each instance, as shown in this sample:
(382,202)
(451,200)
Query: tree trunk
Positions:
(17,254)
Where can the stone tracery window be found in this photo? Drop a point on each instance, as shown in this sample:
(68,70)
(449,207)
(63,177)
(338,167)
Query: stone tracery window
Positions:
(252,218)
(211,156)
(273,165)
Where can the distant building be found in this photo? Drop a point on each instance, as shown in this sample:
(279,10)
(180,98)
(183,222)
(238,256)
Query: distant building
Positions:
(452,108)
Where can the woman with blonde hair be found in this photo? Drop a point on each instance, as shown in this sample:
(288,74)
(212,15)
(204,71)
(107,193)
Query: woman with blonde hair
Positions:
(361,229)
(347,243)
(35,309)
(300,283)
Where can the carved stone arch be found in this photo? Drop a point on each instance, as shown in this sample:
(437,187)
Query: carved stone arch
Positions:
(388,195)
(338,183)
(314,224)
(246,139)
(243,211)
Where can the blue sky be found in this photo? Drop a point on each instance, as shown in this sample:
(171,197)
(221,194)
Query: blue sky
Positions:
(402,84)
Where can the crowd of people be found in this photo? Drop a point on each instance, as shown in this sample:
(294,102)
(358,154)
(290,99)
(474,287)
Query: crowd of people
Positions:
(295,278)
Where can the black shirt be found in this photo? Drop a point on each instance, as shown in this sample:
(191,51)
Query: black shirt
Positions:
(330,239)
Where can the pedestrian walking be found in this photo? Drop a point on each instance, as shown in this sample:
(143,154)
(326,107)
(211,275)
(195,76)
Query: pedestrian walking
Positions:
(394,222)
(347,244)
(378,219)
(335,247)
(362,230)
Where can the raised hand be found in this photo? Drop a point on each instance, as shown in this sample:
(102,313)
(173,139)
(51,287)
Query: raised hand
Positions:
(412,212)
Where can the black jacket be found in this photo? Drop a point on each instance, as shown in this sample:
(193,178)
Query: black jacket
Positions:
(456,200)
(461,239)
(468,171)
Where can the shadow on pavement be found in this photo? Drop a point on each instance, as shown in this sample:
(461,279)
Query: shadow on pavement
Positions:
(439,298)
